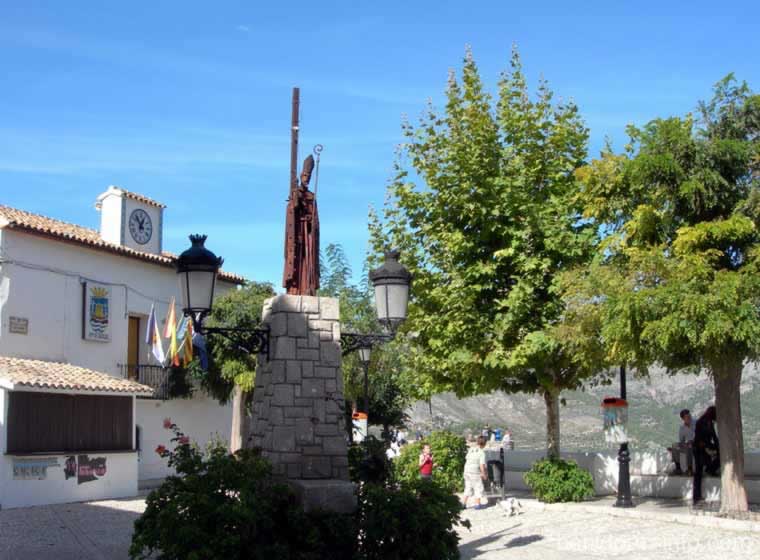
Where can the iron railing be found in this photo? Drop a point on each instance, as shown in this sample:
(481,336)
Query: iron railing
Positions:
(156,377)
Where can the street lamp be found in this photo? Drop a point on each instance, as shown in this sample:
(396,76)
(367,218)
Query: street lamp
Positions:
(197,269)
(391,282)
(365,354)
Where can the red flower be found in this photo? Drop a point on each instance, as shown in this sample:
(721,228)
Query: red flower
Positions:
(184,440)
(167,423)
(160,449)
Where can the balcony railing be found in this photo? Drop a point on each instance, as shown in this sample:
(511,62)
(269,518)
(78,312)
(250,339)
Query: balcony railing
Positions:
(156,377)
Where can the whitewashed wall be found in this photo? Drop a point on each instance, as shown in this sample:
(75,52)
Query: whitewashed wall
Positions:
(200,418)
(42,282)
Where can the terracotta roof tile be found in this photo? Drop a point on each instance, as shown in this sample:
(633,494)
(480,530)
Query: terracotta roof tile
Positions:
(12,218)
(141,198)
(54,375)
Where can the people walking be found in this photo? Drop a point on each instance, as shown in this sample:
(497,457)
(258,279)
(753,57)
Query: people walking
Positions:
(475,473)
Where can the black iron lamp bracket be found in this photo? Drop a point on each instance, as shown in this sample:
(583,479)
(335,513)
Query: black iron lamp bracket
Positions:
(351,342)
(251,341)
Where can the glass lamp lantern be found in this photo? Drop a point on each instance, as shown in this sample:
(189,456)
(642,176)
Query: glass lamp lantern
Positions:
(391,282)
(197,268)
(365,354)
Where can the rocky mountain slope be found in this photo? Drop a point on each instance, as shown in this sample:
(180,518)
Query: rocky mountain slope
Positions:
(654,403)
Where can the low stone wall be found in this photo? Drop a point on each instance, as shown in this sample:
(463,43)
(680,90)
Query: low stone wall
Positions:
(649,473)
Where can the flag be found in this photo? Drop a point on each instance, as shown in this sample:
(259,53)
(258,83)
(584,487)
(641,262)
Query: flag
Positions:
(187,344)
(153,337)
(170,332)
(200,348)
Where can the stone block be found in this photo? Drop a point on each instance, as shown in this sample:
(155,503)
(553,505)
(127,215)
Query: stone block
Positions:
(297,412)
(304,431)
(335,445)
(331,385)
(276,415)
(336,330)
(330,353)
(283,395)
(340,461)
(316,466)
(318,409)
(278,324)
(329,309)
(278,372)
(329,430)
(326,372)
(297,325)
(313,339)
(290,458)
(294,471)
(319,325)
(311,450)
(325,335)
(286,303)
(330,495)
(293,371)
(310,304)
(313,387)
(302,401)
(307,354)
(283,439)
(307,369)
(285,348)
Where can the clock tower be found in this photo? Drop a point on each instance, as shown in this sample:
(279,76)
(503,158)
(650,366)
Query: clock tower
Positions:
(131,220)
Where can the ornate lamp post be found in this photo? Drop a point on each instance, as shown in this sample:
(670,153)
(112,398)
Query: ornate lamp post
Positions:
(391,283)
(197,268)
(624,459)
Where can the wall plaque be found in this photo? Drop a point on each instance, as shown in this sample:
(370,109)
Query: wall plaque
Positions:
(18,325)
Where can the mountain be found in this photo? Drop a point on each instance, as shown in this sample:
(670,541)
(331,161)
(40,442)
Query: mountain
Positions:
(654,404)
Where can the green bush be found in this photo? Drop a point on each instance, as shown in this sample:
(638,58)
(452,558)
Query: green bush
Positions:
(227,506)
(449,451)
(411,520)
(556,480)
(368,462)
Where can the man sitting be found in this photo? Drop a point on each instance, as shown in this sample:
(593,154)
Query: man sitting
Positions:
(685,444)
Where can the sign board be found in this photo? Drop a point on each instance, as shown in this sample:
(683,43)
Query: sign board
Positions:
(97,312)
(359,420)
(33,468)
(615,417)
(18,325)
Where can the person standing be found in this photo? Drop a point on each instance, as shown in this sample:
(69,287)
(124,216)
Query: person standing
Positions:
(685,443)
(475,473)
(426,462)
(706,450)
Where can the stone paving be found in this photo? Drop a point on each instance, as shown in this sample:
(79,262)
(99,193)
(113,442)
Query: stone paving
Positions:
(82,531)
(102,530)
(593,533)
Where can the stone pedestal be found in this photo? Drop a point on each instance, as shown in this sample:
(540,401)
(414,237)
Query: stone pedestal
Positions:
(298,420)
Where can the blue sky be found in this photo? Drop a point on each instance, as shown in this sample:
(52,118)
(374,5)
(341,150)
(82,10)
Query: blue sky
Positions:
(189,102)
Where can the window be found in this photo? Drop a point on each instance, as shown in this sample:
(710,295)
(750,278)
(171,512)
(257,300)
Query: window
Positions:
(50,422)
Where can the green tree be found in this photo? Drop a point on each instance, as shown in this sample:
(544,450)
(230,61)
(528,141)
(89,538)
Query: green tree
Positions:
(387,400)
(676,278)
(232,370)
(482,209)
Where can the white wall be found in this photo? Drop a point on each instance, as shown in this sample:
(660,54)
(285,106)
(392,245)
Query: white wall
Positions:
(52,300)
(110,219)
(119,481)
(201,418)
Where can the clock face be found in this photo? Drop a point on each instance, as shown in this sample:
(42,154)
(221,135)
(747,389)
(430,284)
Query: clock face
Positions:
(140,226)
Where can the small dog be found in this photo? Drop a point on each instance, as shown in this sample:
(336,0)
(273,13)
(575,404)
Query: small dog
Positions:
(511,506)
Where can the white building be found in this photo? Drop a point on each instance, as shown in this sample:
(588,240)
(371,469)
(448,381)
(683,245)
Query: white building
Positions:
(77,296)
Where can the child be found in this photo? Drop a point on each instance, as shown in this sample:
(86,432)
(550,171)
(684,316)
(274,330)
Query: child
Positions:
(426,462)
(475,474)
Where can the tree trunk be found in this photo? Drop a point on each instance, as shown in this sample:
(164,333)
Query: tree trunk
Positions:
(727,378)
(551,398)
(239,433)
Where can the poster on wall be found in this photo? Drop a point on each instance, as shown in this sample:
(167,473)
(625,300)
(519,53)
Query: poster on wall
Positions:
(84,468)
(33,469)
(97,312)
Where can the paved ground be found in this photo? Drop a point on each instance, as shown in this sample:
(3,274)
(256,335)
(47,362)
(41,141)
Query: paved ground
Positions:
(657,530)
(84,531)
